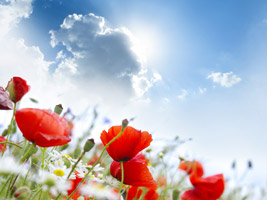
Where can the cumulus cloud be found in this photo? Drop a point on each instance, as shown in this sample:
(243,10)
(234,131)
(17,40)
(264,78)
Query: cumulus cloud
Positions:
(183,94)
(224,79)
(97,64)
(101,57)
(12,12)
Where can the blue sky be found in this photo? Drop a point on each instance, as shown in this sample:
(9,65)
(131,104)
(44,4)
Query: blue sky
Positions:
(190,68)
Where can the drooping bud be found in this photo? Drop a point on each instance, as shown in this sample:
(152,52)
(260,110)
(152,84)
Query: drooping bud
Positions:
(250,165)
(90,143)
(58,109)
(125,123)
(17,88)
(2,139)
(23,193)
(5,102)
(233,164)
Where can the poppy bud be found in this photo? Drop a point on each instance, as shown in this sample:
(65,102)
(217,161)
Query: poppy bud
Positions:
(58,109)
(17,88)
(125,123)
(22,193)
(5,103)
(90,143)
(250,164)
(2,139)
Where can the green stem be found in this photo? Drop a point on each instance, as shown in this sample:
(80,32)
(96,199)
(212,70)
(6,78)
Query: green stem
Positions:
(27,153)
(12,143)
(89,171)
(43,157)
(74,166)
(36,193)
(9,129)
(122,177)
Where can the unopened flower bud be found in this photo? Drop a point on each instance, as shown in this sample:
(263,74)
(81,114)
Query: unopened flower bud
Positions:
(22,193)
(233,164)
(5,132)
(125,123)
(161,155)
(148,150)
(90,143)
(17,88)
(58,109)
(250,164)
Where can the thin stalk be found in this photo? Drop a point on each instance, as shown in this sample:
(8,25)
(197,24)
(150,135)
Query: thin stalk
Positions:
(122,177)
(9,129)
(76,163)
(11,143)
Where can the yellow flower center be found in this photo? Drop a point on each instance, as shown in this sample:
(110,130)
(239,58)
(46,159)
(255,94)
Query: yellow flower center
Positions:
(59,172)
(66,155)
(149,165)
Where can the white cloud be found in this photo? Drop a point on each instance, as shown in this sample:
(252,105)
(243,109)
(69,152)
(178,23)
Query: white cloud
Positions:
(183,94)
(102,58)
(202,90)
(11,12)
(224,79)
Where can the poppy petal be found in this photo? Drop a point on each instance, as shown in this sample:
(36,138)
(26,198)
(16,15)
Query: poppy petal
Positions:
(134,193)
(192,167)
(151,195)
(42,127)
(210,187)
(128,145)
(136,172)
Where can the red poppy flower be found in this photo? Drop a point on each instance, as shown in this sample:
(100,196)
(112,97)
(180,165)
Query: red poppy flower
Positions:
(5,102)
(44,128)
(192,167)
(209,188)
(17,88)
(136,172)
(128,145)
(2,139)
(134,193)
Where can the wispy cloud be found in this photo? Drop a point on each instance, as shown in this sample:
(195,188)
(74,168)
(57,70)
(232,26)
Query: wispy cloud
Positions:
(224,79)
(183,94)
(202,90)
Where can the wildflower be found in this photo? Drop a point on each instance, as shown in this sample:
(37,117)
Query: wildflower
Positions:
(44,128)
(192,167)
(128,145)
(208,188)
(17,88)
(2,139)
(136,172)
(5,102)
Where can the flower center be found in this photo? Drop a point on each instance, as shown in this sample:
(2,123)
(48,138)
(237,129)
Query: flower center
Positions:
(59,172)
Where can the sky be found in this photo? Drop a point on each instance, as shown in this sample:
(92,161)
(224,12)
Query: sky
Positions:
(196,69)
